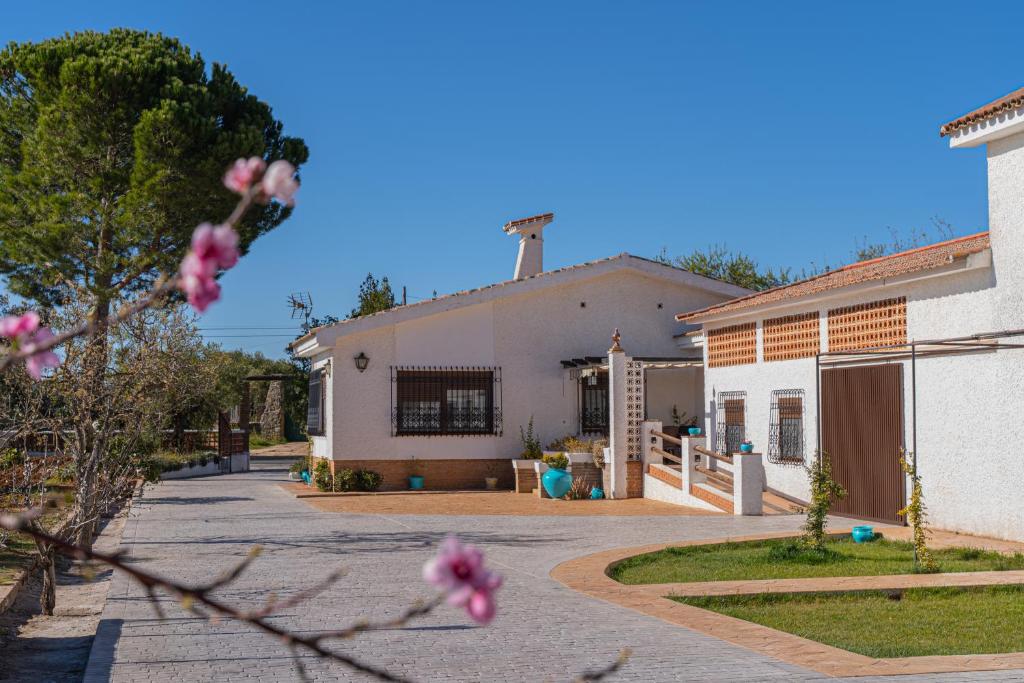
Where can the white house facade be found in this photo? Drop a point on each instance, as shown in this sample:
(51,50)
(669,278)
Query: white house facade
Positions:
(916,352)
(441,388)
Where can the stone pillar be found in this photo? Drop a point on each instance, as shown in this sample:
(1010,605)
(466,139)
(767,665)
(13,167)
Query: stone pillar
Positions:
(747,475)
(272,421)
(617,420)
(649,440)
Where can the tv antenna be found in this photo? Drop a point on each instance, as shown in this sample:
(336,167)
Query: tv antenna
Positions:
(302,306)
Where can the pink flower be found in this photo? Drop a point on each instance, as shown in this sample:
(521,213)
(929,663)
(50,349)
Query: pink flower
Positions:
(279,182)
(26,336)
(217,244)
(240,177)
(213,248)
(199,281)
(459,571)
(15,326)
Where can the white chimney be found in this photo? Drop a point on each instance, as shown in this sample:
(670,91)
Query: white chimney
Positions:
(531,243)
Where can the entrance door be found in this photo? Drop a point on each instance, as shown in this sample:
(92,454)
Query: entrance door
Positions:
(862,432)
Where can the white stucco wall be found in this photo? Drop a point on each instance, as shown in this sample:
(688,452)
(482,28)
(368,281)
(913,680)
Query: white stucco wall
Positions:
(959,399)
(526,335)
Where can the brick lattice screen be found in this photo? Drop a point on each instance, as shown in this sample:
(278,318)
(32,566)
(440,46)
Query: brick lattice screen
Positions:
(793,336)
(733,345)
(879,323)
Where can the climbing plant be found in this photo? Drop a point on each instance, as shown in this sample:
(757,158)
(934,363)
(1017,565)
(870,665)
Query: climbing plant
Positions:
(917,515)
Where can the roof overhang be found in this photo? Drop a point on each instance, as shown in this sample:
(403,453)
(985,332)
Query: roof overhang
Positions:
(984,131)
(967,262)
(601,362)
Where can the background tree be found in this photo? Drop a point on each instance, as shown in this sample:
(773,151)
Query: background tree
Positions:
(112,146)
(733,267)
(374,296)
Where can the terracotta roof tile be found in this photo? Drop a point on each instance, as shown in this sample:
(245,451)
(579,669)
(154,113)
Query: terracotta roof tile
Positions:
(1005,103)
(922,258)
(530,219)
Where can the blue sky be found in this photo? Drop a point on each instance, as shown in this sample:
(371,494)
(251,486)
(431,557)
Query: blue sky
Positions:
(785,130)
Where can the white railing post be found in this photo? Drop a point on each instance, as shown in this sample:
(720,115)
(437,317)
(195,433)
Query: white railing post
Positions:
(648,441)
(689,455)
(747,476)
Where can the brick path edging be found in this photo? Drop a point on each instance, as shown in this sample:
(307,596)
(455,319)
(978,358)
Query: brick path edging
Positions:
(588,575)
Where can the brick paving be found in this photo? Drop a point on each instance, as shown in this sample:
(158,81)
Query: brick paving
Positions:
(193,529)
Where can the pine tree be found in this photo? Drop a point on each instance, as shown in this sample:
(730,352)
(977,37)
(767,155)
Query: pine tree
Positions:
(374,296)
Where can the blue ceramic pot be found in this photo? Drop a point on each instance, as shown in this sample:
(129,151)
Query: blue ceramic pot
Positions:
(746,448)
(863,534)
(596,493)
(305,476)
(694,431)
(415,482)
(556,482)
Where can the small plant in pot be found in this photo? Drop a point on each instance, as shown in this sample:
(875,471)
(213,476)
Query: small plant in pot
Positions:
(532,450)
(415,478)
(747,447)
(556,481)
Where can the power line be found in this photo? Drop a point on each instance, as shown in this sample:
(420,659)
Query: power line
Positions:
(243,327)
(236,336)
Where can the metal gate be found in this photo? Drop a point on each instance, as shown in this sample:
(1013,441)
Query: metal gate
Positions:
(862,433)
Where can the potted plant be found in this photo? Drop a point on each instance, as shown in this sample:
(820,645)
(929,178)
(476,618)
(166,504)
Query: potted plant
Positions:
(556,481)
(747,447)
(416,481)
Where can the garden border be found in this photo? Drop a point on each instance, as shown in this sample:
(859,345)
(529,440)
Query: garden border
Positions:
(588,575)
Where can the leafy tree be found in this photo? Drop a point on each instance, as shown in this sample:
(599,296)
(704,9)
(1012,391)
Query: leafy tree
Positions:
(733,267)
(112,146)
(231,367)
(374,296)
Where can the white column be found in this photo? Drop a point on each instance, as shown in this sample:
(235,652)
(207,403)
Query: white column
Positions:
(617,423)
(747,475)
(649,440)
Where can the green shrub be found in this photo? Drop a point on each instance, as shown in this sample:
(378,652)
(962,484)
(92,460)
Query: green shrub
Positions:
(345,480)
(299,466)
(824,490)
(368,480)
(557,461)
(531,444)
(322,476)
(11,458)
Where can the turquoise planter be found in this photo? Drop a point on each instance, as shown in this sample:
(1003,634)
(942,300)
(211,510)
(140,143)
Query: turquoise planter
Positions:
(556,482)
(863,534)
(746,448)
(693,431)
(415,482)
(596,494)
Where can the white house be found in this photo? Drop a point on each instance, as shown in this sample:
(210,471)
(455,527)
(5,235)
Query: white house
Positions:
(917,351)
(441,388)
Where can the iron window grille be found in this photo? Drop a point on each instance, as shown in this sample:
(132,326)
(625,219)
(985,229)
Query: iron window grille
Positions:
(786,427)
(730,421)
(317,397)
(445,401)
(594,404)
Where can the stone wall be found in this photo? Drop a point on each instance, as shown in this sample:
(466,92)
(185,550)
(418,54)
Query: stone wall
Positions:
(634,479)
(272,420)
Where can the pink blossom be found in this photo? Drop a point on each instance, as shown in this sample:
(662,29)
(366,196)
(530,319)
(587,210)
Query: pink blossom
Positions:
(459,571)
(243,173)
(39,360)
(218,244)
(15,326)
(279,182)
(198,281)
(26,336)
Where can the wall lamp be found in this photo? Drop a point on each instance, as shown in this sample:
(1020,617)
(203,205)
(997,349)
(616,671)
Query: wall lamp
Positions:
(362,360)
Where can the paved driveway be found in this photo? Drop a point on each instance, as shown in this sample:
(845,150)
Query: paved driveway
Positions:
(193,529)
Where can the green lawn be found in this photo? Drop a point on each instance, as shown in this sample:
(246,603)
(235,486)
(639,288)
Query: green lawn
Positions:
(922,621)
(770,560)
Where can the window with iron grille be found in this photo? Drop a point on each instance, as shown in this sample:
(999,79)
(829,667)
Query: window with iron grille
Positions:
(594,404)
(445,401)
(786,427)
(730,421)
(317,401)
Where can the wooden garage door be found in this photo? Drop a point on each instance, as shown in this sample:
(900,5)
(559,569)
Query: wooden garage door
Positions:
(862,432)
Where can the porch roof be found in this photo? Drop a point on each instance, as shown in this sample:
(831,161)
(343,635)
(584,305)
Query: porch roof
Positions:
(649,361)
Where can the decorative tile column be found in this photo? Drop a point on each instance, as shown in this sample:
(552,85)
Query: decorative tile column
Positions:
(625,415)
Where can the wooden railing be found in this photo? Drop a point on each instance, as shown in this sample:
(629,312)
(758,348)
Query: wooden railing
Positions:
(724,457)
(667,437)
(668,456)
